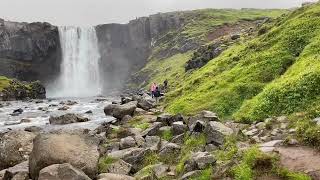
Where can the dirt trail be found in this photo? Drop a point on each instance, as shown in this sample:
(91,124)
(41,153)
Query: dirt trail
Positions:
(302,159)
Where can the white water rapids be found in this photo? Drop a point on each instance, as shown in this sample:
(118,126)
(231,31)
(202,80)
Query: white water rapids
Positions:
(80,73)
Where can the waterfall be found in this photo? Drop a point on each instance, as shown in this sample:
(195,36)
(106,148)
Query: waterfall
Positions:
(79,72)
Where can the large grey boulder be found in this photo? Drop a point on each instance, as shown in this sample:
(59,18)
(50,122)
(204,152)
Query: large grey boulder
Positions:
(152,142)
(17,172)
(216,132)
(111,176)
(145,102)
(199,161)
(67,119)
(153,130)
(126,153)
(15,147)
(79,150)
(62,172)
(166,119)
(118,167)
(179,128)
(127,142)
(119,111)
(170,149)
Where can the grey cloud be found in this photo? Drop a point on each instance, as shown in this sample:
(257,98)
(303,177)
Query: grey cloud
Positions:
(92,12)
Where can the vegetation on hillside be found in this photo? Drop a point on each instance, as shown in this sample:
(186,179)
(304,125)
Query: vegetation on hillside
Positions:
(276,73)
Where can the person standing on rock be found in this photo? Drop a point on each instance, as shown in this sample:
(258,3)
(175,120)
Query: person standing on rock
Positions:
(157,94)
(153,89)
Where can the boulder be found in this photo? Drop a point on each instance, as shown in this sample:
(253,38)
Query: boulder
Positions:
(216,132)
(127,142)
(62,172)
(133,156)
(145,102)
(152,142)
(119,111)
(17,172)
(179,139)
(153,130)
(201,160)
(235,36)
(156,171)
(191,175)
(169,149)
(118,167)
(166,119)
(126,119)
(33,129)
(15,147)
(179,128)
(67,119)
(209,116)
(139,112)
(110,176)
(79,150)
(198,126)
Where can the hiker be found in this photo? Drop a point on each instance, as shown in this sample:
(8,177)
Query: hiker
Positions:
(157,94)
(165,84)
(152,89)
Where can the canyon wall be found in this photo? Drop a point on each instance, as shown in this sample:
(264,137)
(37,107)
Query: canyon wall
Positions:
(29,51)
(125,48)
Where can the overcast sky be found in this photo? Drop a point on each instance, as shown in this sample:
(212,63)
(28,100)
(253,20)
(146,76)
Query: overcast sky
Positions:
(93,12)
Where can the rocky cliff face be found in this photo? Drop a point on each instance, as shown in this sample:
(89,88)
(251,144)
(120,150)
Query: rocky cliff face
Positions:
(29,51)
(125,48)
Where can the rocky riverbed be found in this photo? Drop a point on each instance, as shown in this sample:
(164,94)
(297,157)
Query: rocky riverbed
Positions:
(132,138)
(36,113)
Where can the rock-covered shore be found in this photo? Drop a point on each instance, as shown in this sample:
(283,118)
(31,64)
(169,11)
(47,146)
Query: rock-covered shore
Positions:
(142,142)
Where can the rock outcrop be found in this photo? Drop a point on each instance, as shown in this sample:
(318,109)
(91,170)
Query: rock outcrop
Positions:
(67,119)
(125,48)
(62,172)
(29,51)
(15,147)
(81,151)
(17,90)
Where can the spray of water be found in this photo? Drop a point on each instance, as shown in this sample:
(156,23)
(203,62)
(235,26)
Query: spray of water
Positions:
(80,75)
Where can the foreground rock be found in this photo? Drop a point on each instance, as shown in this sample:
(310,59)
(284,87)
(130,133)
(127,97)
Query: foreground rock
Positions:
(18,172)
(119,111)
(67,119)
(15,147)
(110,176)
(216,132)
(80,151)
(62,172)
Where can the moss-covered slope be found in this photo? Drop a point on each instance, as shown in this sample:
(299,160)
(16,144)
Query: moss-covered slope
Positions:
(201,27)
(276,73)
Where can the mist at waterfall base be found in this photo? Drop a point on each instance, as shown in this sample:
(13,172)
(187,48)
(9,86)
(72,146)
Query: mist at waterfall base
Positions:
(79,71)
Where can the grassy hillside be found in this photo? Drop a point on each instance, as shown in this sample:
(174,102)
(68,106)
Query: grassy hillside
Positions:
(277,73)
(201,27)
(4,82)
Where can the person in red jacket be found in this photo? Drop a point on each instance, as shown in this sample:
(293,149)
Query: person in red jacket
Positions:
(153,89)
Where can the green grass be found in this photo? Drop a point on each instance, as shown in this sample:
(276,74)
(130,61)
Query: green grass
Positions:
(200,22)
(276,73)
(4,82)
(191,144)
(167,135)
(171,69)
(139,122)
(104,163)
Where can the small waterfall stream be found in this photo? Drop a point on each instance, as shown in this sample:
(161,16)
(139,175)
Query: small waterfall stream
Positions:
(80,73)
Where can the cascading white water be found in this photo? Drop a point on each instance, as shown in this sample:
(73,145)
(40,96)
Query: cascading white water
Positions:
(80,75)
